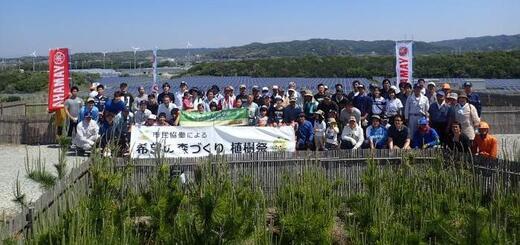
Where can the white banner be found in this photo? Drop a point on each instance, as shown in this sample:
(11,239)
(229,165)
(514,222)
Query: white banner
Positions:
(404,61)
(155,141)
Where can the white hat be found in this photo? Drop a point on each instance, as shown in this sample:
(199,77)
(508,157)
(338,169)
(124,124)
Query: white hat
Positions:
(275,86)
(265,89)
(152,116)
(431,83)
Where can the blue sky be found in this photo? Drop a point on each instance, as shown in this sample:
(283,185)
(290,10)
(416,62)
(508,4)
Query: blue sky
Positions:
(95,25)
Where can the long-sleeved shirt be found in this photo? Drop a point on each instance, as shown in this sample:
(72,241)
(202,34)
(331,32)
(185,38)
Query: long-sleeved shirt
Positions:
(428,139)
(438,112)
(86,134)
(363,103)
(474,99)
(416,106)
(305,133)
(319,128)
(487,146)
(354,135)
(468,118)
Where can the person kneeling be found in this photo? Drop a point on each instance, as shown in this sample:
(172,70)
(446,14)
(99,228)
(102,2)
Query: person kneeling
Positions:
(425,137)
(376,134)
(352,136)
(86,133)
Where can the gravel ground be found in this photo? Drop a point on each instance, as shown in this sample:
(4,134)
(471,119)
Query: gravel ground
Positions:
(13,157)
(12,162)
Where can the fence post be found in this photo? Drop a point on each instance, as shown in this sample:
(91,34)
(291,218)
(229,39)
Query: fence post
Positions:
(29,219)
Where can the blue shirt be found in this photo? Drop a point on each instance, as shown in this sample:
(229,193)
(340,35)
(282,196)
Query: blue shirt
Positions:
(114,107)
(94,111)
(378,136)
(430,139)
(474,99)
(305,133)
(363,103)
(438,113)
(291,113)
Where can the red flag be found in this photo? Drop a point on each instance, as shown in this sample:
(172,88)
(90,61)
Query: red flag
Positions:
(58,78)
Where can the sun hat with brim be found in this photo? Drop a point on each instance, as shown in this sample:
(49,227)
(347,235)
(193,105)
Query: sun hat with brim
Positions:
(90,100)
(463,95)
(319,112)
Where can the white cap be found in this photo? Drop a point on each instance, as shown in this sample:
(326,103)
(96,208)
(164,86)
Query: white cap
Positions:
(275,86)
(152,116)
(431,83)
(265,89)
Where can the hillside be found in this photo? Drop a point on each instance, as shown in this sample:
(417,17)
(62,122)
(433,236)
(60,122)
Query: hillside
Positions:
(485,43)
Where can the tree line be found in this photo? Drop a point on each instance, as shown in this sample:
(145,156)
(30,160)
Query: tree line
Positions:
(499,64)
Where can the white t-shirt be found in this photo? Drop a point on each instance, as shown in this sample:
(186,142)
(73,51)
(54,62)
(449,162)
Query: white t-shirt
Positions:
(393,107)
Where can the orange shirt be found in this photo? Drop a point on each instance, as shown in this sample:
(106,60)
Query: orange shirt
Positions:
(487,147)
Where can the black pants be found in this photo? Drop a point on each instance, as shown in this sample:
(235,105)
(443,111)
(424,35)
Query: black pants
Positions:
(346,145)
(72,127)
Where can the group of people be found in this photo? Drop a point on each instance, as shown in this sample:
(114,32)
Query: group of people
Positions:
(384,116)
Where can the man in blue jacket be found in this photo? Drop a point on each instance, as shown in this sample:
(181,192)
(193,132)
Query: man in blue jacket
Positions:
(304,134)
(424,137)
(473,98)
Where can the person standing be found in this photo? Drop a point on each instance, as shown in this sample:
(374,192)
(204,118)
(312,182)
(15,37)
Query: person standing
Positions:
(417,106)
(439,116)
(466,114)
(394,105)
(100,99)
(473,98)
(142,96)
(126,96)
(166,91)
(72,108)
(364,104)
(319,130)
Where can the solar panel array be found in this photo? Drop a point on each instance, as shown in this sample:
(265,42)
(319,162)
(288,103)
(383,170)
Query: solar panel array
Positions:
(501,86)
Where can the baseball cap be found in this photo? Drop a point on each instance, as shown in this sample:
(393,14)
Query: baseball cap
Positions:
(275,86)
(440,93)
(87,114)
(152,117)
(278,97)
(255,87)
(360,86)
(90,100)
(422,121)
(376,117)
(431,83)
(242,86)
(265,89)
(143,102)
(468,84)
(453,96)
(417,86)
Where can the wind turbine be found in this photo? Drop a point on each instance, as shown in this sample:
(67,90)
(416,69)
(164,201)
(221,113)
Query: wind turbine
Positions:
(135,52)
(34,57)
(104,54)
